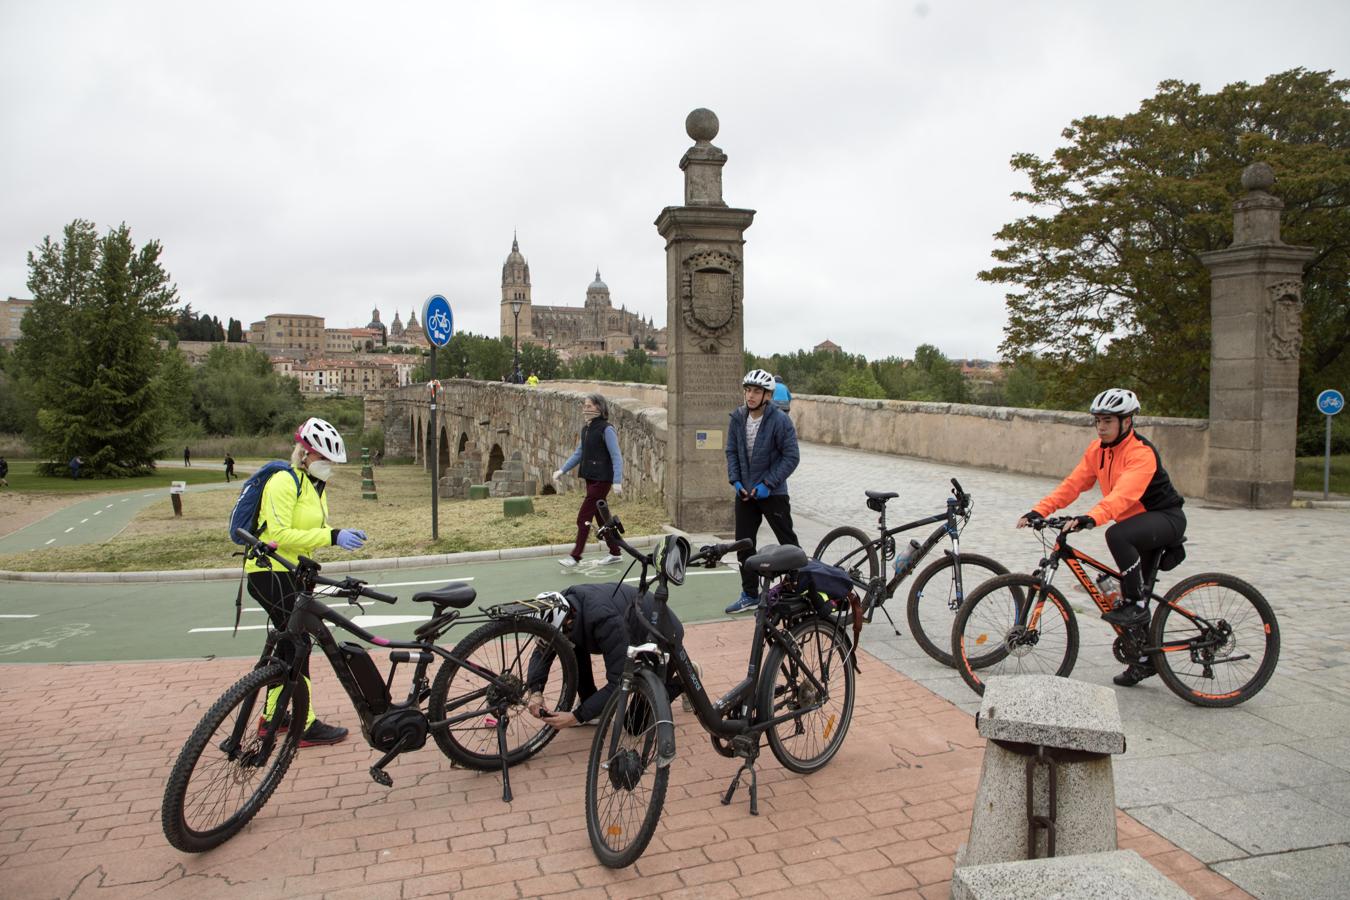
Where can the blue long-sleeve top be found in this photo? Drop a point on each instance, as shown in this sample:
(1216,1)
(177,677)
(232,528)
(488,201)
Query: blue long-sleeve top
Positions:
(611,444)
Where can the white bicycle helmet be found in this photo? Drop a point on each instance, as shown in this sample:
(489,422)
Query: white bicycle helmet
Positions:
(557,613)
(323,439)
(758,378)
(1115,402)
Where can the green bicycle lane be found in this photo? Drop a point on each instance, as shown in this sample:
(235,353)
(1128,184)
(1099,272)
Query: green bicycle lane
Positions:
(76,622)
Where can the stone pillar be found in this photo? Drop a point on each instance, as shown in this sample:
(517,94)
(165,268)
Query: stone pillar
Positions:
(1255,308)
(705,320)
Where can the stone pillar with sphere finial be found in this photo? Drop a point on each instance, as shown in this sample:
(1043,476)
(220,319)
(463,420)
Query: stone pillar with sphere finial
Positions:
(1256,302)
(705,281)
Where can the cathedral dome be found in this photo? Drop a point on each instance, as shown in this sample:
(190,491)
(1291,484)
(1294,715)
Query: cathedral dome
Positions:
(597,284)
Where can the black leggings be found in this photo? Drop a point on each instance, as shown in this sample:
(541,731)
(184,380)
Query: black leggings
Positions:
(276,593)
(1138,535)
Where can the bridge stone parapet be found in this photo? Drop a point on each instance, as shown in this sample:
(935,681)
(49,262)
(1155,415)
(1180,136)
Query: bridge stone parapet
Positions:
(490,421)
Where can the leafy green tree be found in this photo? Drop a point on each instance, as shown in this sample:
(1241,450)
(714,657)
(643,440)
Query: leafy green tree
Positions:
(1024,386)
(238,392)
(88,354)
(175,392)
(234,332)
(1105,277)
(861,383)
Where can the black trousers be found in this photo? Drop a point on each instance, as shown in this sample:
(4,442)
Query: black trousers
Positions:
(276,592)
(750,514)
(1138,535)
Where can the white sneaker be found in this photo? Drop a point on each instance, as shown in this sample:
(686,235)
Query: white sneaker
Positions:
(610,559)
(567,562)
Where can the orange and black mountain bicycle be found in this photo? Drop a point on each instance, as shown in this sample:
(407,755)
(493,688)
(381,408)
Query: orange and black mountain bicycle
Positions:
(1213,638)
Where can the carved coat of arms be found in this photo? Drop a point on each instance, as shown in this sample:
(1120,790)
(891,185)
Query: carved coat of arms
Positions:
(1284,320)
(710,297)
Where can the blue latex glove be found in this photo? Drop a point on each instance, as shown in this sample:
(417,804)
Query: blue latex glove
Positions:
(351,539)
(760,491)
(740,488)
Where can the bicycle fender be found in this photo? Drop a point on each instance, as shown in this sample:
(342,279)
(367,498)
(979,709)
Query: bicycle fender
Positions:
(665,724)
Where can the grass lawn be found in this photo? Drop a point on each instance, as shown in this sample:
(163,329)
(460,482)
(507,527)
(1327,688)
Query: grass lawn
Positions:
(23,476)
(398,524)
(1308,473)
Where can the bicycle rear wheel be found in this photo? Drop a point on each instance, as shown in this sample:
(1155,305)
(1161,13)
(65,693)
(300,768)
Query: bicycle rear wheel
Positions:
(504,648)
(850,549)
(933,601)
(625,784)
(805,744)
(1206,625)
(1014,625)
(221,778)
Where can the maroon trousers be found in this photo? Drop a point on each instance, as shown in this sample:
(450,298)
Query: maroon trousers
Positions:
(595,492)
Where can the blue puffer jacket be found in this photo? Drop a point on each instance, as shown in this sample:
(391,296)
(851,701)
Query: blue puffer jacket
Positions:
(775,456)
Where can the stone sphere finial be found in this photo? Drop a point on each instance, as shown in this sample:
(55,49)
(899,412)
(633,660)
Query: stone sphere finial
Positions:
(701,125)
(1258,176)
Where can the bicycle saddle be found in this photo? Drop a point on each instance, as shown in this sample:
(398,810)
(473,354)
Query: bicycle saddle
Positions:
(456,594)
(883,496)
(773,559)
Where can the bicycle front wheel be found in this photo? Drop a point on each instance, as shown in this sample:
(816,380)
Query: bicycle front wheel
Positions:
(1014,625)
(222,777)
(850,549)
(1219,638)
(824,679)
(934,600)
(503,648)
(625,784)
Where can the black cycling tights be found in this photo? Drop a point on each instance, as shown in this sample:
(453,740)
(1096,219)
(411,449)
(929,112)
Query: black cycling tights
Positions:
(275,592)
(1138,535)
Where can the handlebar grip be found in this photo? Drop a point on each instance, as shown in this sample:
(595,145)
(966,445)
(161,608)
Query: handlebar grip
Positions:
(602,511)
(246,536)
(376,595)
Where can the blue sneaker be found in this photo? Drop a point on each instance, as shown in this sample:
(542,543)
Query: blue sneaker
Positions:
(742,604)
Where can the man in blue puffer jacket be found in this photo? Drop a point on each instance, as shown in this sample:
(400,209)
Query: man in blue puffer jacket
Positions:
(761,454)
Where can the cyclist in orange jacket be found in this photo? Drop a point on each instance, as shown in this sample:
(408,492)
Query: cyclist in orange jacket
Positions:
(1136,493)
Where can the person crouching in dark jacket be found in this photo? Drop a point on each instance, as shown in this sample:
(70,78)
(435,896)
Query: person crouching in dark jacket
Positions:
(600,621)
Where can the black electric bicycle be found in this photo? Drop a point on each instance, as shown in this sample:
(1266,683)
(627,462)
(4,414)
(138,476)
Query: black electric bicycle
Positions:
(937,592)
(475,708)
(1213,638)
(799,695)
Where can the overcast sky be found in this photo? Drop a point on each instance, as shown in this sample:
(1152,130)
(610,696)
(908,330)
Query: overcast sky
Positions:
(326,158)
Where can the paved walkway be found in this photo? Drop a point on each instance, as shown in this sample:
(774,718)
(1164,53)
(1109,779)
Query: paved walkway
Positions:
(1260,792)
(85,750)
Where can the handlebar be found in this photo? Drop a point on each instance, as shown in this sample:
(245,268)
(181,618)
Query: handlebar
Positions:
(708,555)
(711,554)
(308,569)
(962,498)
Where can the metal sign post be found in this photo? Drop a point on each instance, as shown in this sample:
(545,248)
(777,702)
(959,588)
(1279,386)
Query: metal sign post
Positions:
(1329,403)
(438,321)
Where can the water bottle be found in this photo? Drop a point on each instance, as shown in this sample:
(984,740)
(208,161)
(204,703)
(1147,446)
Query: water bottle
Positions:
(1110,588)
(902,559)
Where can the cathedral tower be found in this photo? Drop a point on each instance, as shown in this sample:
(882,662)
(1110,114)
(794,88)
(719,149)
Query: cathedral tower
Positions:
(516,286)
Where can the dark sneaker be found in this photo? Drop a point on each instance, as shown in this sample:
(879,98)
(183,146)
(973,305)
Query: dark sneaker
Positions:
(743,603)
(319,734)
(1136,673)
(1128,615)
(281,726)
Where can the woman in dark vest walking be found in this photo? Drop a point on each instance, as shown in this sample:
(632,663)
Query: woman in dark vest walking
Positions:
(601,467)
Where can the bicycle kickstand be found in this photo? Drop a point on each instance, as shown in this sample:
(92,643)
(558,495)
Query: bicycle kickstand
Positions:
(747,766)
(887,613)
(501,748)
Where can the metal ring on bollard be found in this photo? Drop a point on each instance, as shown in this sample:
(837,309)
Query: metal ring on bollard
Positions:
(1050,757)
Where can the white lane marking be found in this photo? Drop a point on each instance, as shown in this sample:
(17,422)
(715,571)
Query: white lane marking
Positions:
(82,521)
(377,621)
(52,541)
(147,495)
(228,628)
(109,506)
(18,616)
(689,574)
(98,512)
(70,529)
(125,499)
(412,583)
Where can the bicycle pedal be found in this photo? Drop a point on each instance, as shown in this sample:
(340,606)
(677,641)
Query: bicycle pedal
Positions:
(381,777)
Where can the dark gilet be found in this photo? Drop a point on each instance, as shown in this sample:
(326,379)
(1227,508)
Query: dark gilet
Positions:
(596,464)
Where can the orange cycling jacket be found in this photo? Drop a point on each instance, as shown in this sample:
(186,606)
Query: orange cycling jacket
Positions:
(1131,476)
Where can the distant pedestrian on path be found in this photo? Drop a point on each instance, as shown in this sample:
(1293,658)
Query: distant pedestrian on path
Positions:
(187,456)
(379,457)
(229,468)
(761,454)
(782,397)
(75,463)
(4,472)
(601,469)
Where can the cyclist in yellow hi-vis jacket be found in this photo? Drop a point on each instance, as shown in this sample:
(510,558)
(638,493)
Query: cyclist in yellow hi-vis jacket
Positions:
(294,515)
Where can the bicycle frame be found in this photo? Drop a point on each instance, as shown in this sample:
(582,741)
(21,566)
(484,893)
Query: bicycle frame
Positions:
(947,529)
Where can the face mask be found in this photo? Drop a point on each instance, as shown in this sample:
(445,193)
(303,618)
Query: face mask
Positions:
(321,469)
(588,413)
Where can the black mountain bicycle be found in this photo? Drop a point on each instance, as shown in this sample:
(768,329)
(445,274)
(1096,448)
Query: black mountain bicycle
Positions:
(1213,638)
(799,695)
(937,592)
(475,709)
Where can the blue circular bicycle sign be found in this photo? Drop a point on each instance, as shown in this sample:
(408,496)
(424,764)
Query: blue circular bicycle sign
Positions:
(437,319)
(1330,402)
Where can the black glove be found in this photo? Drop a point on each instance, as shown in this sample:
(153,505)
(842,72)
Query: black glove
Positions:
(1033,517)
(1084,522)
